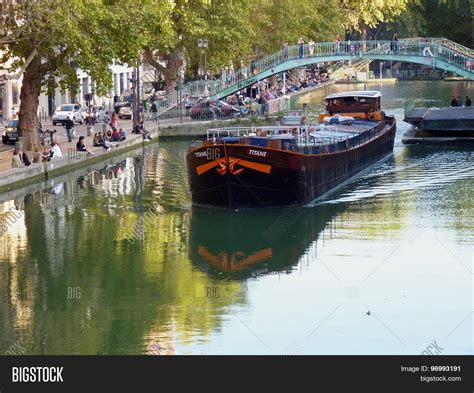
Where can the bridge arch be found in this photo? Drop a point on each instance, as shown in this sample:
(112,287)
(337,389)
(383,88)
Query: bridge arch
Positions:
(442,53)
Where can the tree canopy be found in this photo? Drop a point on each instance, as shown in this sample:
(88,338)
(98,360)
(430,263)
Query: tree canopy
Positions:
(58,36)
(50,39)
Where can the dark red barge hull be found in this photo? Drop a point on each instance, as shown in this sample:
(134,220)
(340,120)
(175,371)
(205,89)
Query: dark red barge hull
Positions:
(241,176)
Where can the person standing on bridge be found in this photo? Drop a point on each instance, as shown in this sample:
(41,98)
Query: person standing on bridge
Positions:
(337,45)
(244,70)
(285,50)
(427,50)
(301,47)
(311,46)
(253,67)
(394,43)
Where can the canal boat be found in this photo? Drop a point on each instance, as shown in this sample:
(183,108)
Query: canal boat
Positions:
(290,165)
(452,120)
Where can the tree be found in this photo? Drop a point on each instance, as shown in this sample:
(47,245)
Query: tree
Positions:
(225,23)
(58,36)
(360,15)
(236,31)
(288,21)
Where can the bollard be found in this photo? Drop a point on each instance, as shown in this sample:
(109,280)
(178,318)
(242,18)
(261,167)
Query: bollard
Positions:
(90,130)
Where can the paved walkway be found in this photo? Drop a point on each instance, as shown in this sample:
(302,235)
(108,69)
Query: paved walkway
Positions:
(68,148)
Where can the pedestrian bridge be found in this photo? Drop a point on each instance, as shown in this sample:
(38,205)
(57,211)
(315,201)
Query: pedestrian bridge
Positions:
(435,53)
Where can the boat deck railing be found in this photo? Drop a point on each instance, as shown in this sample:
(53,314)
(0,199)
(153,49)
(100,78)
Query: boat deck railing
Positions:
(302,141)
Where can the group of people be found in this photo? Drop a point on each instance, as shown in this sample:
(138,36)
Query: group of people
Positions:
(459,102)
(20,158)
(103,140)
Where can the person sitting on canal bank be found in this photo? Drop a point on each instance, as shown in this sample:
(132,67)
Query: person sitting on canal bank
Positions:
(468,101)
(56,151)
(69,125)
(47,155)
(16,160)
(24,158)
(454,102)
(99,141)
(140,129)
(108,134)
(80,146)
(118,136)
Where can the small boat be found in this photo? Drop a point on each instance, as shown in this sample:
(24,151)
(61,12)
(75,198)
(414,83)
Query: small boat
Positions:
(455,119)
(281,165)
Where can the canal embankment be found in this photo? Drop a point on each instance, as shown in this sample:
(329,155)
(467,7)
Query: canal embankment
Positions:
(14,178)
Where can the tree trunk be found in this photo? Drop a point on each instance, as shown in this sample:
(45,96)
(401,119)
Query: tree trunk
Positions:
(170,71)
(363,31)
(29,102)
(363,35)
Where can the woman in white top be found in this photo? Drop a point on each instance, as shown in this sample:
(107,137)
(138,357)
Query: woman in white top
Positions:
(56,150)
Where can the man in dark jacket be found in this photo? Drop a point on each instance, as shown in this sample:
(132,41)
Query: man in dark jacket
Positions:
(69,125)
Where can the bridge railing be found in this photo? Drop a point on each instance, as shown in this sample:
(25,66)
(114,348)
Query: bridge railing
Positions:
(439,49)
(430,48)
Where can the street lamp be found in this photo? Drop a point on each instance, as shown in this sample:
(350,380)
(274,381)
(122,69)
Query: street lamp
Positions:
(202,45)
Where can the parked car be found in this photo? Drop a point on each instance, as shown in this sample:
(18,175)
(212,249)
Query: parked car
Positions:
(125,111)
(118,105)
(10,133)
(97,114)
(213,108)
(74,111)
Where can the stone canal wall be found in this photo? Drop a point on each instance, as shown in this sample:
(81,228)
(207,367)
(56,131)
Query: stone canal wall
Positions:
(20,177)
(14,178)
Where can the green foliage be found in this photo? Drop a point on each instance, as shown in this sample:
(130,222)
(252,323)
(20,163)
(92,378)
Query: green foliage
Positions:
(435,18)
(357,13)
(284,20)
(88,34)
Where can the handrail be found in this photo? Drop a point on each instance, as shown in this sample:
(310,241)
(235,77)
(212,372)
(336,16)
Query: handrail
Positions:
(447,52)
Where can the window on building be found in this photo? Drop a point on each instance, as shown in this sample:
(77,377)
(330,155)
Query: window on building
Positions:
(15,99)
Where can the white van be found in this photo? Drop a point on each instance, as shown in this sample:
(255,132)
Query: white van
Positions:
(74,111)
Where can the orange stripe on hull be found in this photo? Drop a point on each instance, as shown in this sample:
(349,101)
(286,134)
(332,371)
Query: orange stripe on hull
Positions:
(253,165)
(247,164)
(207,166)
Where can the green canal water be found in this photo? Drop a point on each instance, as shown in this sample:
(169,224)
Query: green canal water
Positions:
(115,260)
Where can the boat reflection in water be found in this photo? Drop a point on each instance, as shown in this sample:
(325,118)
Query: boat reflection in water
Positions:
(244,244)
